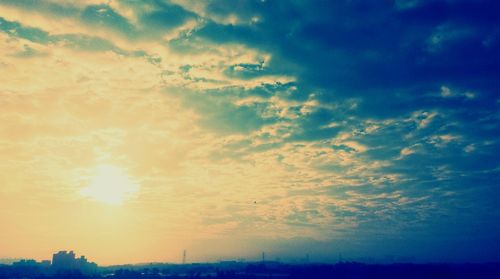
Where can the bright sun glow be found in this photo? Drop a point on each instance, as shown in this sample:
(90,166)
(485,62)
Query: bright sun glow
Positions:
(110,185)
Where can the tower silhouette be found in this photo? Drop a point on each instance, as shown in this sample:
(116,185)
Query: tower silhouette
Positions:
(184,257)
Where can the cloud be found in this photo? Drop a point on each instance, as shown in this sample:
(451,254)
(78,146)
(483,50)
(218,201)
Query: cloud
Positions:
(306,122)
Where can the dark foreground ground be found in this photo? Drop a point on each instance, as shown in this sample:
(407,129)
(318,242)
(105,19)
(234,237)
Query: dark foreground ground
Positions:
(263,270)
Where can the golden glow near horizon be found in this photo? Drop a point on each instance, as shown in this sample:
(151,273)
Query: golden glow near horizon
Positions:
(110,185)
(169,179)
(175,174)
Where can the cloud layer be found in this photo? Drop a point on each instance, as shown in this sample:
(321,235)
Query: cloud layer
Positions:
(353,127)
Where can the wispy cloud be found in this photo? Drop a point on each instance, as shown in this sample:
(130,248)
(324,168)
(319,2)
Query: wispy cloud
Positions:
(306,121)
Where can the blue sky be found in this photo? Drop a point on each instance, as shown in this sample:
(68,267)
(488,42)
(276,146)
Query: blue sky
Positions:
(358,127)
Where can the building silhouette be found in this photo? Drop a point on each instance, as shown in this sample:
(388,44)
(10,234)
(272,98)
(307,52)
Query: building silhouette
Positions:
(64,260)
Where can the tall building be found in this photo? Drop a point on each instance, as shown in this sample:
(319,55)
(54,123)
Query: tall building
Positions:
(64,260)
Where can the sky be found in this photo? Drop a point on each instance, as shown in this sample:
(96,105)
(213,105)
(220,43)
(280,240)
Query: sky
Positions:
(132,130)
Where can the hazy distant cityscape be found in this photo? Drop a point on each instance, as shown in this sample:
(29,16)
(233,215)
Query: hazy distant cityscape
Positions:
(66,264)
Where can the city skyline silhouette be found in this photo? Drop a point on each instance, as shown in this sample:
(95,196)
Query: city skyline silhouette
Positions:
(66,264)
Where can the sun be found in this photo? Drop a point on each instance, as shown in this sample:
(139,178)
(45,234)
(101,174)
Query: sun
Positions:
(110,185)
